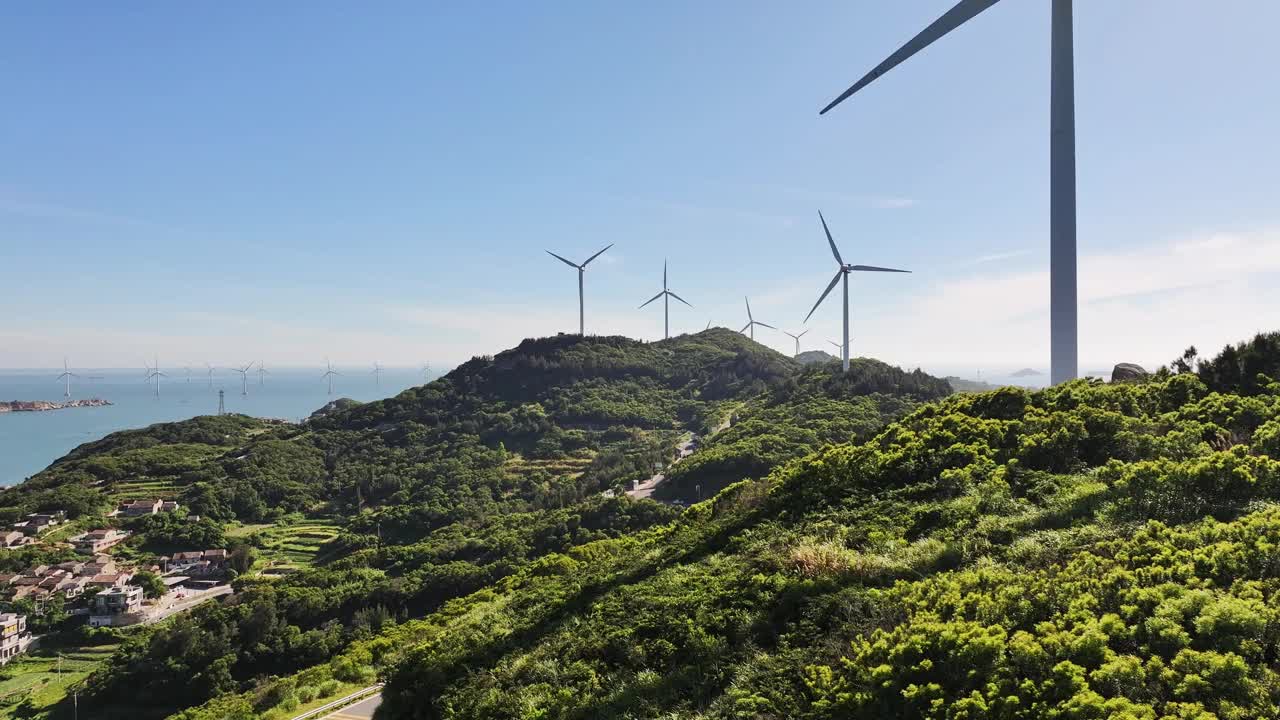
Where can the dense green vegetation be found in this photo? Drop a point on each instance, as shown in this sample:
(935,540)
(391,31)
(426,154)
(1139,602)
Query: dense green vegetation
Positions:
(372,513)
(1086,551)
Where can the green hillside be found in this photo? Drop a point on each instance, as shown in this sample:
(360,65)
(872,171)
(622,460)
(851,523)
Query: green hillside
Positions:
(372,514)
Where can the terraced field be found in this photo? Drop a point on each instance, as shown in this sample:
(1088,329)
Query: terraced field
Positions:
(288,548)
(37,681)
(144,489)
(570,466)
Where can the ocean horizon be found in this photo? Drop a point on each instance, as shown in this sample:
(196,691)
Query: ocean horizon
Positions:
(30,441)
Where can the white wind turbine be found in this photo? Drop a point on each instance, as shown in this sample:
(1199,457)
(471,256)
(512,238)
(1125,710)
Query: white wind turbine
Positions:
(1063,338)
(154,373)
(377,373)
(262,371)
(329,373)
(666,295)
(843,274)
(426,371)
(210,368)
(752,322)
(797,339)
(835,345)
(244,377)
(581,270)
(65,377)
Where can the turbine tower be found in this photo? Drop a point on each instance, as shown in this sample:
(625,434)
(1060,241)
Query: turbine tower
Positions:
(329,373)
(666,295)
(154,373)
(1063,325)
(210,367)
(835,345)
(843,274)
(244,377)
(188,369)
(581,269)
(377,373)
(426,371)
(797,339)
(752,322)
(65,377)
(262,371)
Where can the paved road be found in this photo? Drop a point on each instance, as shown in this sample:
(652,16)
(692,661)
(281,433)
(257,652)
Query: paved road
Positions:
(362,710)
(645,489)
(186,604)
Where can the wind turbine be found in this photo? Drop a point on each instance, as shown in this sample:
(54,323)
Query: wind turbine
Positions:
(666,295)
(329,373)
(188,369)
(581,269)
(210,367)
(1063,326)
(836,345)
(426,371)
(377,373)
(708,327)
(843,273)
(244,377)
(752,322)
(797,339)
(66,378)
(262,370)
(154,373)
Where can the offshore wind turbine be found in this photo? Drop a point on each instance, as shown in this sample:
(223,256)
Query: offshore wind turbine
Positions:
(752,322)
(377,373)
(843,274)
(666,295)
(581,270)
(244,377)
(1063,325)
(262,370)
(797,339)
(154,373)
(210,367)
(329,373)
(66,378)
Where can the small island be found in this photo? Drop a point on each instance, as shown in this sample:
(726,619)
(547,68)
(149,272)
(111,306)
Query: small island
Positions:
(43,405)
(1027,372)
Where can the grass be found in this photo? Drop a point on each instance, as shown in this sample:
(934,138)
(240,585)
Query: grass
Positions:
(33,680)
(286,548)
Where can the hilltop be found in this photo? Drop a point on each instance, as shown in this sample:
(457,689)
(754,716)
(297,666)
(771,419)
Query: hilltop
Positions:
(1088,550)
(368,514)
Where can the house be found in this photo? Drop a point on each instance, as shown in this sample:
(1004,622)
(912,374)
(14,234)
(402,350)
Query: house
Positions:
(14,637)
(12,539)
(117,606)
(216,558)
(7,579)
(73,567)
(96,541)
(40,522)
(186,558)
(71,587)
(105,565)
(110,580)
(138,508)
(169,506)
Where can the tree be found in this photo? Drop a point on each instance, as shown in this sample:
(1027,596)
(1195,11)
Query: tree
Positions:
(151,584)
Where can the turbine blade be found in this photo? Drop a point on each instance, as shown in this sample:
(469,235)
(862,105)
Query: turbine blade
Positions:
(825,293)
(749,309)
(655,297)
(831,242)
(766,325)
(873,268)
(686,302)
(593,257)
(744,328)
(566,262)
(664,273)
(950,20)
(806,332)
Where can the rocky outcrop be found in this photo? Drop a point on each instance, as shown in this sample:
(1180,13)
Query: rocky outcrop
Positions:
(43,405)
(334,406)
(1128,372)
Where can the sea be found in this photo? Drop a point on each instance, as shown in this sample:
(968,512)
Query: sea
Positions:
(30,441)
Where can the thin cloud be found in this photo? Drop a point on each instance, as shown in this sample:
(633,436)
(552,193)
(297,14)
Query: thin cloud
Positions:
(997,257)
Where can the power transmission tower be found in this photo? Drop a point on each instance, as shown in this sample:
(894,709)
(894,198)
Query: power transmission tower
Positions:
(222,408)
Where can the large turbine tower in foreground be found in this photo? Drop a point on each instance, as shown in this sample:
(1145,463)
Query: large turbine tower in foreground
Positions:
(1063,325)
(666,310)
(582,323)
(842,273)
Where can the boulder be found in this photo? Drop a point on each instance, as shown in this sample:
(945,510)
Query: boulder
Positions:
(1128,372)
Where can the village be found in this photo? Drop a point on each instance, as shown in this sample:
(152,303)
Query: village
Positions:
(96,587)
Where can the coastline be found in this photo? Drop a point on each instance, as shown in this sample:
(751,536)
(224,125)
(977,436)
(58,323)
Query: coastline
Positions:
(8,406)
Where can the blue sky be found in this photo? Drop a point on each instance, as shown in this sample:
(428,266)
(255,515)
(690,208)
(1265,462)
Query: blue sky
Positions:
(293,180)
